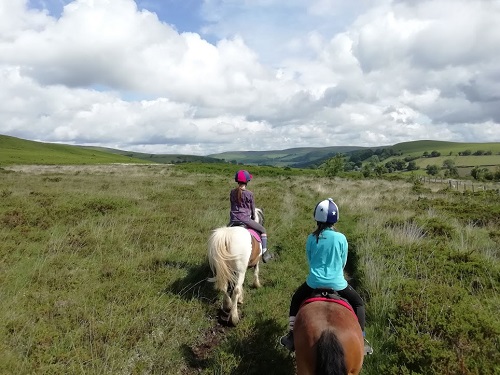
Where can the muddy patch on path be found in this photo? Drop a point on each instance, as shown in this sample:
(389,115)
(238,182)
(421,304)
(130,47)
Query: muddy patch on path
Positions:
(198,355)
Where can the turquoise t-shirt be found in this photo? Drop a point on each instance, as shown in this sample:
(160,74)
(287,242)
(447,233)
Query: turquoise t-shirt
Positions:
(327,260)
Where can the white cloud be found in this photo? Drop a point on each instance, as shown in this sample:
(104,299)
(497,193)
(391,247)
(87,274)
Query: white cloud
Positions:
(262,75)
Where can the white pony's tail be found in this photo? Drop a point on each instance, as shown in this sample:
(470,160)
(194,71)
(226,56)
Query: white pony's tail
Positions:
(220,259)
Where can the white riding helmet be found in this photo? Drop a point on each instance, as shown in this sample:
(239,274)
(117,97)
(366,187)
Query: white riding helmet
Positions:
(326,211)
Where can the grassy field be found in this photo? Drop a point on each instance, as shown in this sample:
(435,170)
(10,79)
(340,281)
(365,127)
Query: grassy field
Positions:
(103,271)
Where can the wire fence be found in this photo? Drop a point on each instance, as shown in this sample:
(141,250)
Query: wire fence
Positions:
(463,185)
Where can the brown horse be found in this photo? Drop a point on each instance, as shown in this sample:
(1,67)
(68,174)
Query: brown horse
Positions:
(328,340)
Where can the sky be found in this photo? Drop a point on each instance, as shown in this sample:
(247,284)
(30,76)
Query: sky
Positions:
(202,77)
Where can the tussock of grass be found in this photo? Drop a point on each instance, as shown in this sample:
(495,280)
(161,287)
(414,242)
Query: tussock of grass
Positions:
(407,234)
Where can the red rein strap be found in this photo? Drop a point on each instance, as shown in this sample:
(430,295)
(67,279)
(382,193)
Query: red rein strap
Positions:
(324,299)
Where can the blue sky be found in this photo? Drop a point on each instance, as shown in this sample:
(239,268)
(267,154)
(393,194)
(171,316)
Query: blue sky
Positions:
(184,14)
(207,76)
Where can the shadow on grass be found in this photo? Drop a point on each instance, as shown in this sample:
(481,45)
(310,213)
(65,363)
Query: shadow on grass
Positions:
(351,266)
(194,284)
(261,352)
(258,353)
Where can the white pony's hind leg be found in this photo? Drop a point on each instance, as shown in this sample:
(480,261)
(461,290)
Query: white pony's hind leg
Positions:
(234,318)
(236,297)
(256,281)
(227,304)
(238,291)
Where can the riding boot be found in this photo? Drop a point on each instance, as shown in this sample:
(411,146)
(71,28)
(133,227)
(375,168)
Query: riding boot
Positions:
(267,256)
(287,341)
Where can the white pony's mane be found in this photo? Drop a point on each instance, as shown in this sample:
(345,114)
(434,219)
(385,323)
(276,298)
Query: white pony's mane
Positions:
(259,215)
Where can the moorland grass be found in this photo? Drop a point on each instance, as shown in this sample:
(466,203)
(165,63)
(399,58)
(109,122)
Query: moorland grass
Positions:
(103,271)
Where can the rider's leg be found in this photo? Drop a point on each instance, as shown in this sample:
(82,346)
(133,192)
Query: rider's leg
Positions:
(356,302)
(266,255)
(298,297)
(359,308)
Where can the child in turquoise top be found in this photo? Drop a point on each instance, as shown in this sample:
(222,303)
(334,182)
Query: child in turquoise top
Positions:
(326,251)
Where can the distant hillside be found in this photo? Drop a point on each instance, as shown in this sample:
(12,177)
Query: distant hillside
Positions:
(19,151)
(302,157)
(160,158)
(312,157)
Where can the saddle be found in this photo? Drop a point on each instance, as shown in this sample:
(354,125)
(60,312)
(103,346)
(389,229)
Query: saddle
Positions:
(327,295)
(253,232)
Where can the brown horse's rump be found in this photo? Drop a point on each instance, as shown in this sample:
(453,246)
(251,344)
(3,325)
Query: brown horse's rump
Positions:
(346,339)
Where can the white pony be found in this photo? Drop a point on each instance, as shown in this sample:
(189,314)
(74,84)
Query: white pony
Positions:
(231,250)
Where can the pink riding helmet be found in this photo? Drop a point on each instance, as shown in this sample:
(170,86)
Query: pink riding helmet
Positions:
(242,176)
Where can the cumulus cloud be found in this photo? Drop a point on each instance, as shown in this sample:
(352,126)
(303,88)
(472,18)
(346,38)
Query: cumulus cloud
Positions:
(254,75)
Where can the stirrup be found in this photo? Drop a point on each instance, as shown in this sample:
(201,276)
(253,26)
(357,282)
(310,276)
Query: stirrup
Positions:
(367,347)
(287,341)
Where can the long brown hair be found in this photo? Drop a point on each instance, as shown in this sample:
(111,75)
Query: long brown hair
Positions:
(320,228)
(239,191)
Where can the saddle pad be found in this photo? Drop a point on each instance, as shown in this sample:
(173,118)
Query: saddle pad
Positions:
(254,234)
(339,301)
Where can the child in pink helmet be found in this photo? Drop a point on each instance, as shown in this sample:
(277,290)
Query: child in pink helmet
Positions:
(243,210)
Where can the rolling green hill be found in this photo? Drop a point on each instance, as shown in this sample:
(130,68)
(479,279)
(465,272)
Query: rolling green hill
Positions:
(19,151)
(160,158)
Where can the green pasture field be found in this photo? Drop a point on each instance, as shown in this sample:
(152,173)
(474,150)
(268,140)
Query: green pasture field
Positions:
(103,270)
(450,150)
(461,161)
(416,148)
